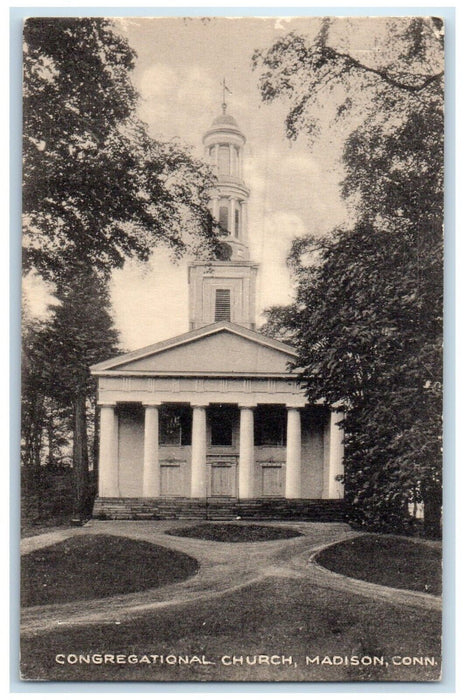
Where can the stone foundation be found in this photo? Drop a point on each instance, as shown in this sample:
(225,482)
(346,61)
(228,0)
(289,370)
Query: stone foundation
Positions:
(218,509)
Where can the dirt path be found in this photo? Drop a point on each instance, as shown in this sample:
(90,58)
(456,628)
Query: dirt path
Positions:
(224,567)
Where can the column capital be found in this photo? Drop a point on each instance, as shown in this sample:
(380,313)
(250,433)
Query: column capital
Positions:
(152,404)
(247,405)
(297,406)
(198,404)
(106,404)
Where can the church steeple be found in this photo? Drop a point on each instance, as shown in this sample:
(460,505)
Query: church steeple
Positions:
(224,146)
(224,290)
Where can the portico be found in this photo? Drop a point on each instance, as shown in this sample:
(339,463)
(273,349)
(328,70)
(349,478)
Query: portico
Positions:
(214,434)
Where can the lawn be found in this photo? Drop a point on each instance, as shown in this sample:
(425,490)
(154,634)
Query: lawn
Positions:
(282,616)
(388,560)
(97,566)
(227,532)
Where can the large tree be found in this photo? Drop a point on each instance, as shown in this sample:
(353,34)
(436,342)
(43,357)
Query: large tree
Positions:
(367,317)
(97,189)
(80,333)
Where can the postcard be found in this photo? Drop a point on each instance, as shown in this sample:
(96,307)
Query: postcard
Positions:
(231,463)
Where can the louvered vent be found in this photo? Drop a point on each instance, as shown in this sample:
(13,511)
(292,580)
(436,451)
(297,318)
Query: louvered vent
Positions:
(223,305)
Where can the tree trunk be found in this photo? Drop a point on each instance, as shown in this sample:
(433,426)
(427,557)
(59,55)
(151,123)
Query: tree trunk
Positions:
(432,500)
(80,457)
(50,437)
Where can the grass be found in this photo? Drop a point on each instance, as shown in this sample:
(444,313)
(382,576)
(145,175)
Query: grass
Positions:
(276,616)
(97,566)
(390,561)
(227,532)
(30,528)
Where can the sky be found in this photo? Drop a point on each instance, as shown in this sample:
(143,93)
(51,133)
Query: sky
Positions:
(294,188)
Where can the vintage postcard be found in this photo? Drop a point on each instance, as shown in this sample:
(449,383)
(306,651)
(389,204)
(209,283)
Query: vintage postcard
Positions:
(232,349)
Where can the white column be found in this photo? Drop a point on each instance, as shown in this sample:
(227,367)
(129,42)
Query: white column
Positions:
(199,452)
(244,220)
(151,473)
(240,162)
(336,456)
(108,455)
(246,453)
(216,154)
(231,159)
(232,219)
(293,454)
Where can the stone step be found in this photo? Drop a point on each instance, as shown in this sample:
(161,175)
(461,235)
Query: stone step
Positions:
(231,509)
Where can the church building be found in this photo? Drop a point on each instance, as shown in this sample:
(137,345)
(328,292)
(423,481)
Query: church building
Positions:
(212,423)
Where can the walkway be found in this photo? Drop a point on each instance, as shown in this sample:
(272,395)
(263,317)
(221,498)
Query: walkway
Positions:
(224,567)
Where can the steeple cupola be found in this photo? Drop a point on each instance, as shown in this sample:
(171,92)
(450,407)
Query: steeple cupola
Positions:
(224,147)
(224,289)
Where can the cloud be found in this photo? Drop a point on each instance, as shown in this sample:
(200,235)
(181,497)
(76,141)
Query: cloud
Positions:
(175,100)
(282,23)
(150,300)
(159,81)
(38,295)
(272,248)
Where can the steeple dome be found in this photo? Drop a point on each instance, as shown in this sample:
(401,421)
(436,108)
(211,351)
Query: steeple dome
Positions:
(224,120)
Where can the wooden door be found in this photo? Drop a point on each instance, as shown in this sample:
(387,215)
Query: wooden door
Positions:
(171,480)
(223,479)
(272,480)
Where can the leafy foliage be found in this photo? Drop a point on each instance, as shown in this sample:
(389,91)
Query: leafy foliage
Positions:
(367,317)
(97,188)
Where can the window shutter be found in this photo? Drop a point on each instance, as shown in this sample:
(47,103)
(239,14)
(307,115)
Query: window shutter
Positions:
(223,305)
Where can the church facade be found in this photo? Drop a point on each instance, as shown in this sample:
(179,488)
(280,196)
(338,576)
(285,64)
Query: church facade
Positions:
(212,423)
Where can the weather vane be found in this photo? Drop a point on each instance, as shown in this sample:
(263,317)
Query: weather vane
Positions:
(225,90)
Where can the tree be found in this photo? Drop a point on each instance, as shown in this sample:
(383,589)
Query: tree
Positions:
(367,318)
(57,384)
(97,190)
(81,333)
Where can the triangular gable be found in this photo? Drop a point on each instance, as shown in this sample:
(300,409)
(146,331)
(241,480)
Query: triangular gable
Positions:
(221,348)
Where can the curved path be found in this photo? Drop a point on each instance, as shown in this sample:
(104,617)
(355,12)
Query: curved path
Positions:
(224,567)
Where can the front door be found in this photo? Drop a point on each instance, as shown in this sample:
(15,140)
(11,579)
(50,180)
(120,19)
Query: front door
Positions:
(223,477)
(171,479)
(272,480)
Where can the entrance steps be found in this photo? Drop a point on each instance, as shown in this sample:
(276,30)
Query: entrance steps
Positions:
(178,508)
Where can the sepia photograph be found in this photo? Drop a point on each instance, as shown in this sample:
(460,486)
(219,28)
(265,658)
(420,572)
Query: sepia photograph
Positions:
(232,349)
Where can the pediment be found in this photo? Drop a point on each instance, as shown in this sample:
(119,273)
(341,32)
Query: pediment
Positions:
(219,349)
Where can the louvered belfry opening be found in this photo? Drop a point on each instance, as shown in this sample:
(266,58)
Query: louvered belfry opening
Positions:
(223,305)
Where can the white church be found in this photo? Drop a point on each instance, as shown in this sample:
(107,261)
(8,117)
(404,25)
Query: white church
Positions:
(212,423)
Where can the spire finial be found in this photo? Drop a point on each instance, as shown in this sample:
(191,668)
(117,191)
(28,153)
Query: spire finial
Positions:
(225,90)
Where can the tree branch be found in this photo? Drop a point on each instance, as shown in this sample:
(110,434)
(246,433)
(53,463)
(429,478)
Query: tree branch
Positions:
(351,62)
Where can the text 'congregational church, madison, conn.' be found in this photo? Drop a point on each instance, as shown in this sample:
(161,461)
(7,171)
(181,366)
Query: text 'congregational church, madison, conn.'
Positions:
(212,423)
